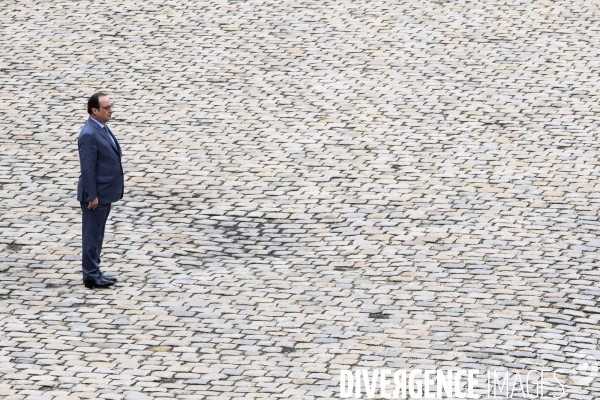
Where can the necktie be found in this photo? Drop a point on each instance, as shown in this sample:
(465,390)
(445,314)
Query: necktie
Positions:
(110,136)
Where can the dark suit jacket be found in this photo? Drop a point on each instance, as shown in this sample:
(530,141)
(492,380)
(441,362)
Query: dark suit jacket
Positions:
(100,162)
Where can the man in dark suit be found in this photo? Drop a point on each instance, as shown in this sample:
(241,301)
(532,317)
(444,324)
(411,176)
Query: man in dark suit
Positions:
(100,184)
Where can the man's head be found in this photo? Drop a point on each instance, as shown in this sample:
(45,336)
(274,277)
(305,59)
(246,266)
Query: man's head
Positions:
(100,107)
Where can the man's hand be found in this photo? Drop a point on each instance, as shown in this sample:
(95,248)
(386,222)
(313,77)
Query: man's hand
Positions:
(93,204)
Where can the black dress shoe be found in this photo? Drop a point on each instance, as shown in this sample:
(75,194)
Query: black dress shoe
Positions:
(108,278)
(97,283)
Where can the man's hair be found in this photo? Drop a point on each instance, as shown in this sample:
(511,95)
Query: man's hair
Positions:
(94,101)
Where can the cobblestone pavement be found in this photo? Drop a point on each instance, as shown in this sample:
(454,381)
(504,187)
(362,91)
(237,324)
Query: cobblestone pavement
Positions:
(311,186)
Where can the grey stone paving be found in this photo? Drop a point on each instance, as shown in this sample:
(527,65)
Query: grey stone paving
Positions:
(311,186)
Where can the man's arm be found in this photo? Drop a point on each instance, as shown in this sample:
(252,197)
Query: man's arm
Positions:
(87,160)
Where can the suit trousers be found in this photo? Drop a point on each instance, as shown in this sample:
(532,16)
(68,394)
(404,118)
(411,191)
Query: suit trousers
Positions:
(92,236)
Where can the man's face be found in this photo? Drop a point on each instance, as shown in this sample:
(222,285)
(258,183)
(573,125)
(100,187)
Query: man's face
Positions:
(104,113)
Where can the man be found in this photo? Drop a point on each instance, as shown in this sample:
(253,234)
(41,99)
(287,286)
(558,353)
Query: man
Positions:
(100,184)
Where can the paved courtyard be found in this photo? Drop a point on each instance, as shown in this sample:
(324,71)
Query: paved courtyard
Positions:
(311,186)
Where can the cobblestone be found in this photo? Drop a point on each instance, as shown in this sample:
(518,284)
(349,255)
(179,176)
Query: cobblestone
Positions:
(310,186)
